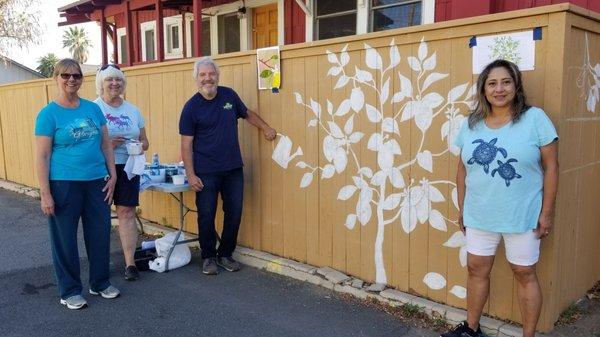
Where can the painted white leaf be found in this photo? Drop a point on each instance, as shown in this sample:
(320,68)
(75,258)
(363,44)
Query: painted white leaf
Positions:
(329,146)
(390,125)
(394,55)
(422,50)
(408,219)
(343,109)
(334,71)
(306,179)
(434,195)
(301,164)
(373,114)
(328,171)
(340,160)
(429,63)
(355,137)
(346,192)
(349,126)
(462,256)
(363,75)
(456,92)
(373,59)
(313,122)
(415,195)
(398,97)
(344,57)
(457,240)
(414,63)
(316,107)
(298,98)
(432,78)
(471,92)
(341,82)
(357,99)
(445,129)
(329,107)
(363,211)
(366,171)
(392,201)
(423,115)
(455,197)
(385,92)
(360,182)
(459,292)
(425,160)
(385,157)
(350,221)
(394,146)
(434,281)
(331,57)
(433,99)
(422,208)
(335,130)
(375,142)
(437,221)
(396,178)
(379,178)
(405,85)
(455,126)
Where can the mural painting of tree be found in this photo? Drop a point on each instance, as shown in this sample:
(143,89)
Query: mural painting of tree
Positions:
(382,193)
(589,79)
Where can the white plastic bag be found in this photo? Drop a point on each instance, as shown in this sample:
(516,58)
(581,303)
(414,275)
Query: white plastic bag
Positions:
(180,257)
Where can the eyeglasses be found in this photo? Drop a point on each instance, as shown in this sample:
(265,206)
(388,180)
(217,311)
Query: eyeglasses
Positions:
(66,76)
(110,65)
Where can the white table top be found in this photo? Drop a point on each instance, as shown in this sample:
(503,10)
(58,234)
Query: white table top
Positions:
(169,188)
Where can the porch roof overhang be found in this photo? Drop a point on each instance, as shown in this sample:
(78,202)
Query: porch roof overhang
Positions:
(83,10)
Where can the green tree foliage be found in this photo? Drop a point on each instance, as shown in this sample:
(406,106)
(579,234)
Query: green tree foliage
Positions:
(19,25)
(46,64)
(78,43)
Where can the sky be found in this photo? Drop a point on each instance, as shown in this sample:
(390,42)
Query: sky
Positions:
(51,39)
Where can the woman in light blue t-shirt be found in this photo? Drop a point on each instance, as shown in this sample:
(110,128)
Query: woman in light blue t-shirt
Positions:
(507,180)
(125,123)
(75,168)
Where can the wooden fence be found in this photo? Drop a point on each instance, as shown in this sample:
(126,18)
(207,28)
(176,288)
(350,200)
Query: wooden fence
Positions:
(365,180)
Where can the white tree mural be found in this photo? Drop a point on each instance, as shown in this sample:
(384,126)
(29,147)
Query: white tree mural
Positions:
(589,79)
(382,193)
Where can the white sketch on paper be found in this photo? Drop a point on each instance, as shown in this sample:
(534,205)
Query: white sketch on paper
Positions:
(589,80)
(516,47)
(382,193)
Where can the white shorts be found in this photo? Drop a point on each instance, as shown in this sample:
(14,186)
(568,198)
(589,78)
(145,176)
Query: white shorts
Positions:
(522,249)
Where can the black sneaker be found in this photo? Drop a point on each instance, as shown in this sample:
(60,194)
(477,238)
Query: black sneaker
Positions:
(209,266)
(463,330)
(131,273)
(228,263)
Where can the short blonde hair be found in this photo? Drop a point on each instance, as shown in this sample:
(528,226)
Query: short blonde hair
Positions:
(109,71)
(64,64)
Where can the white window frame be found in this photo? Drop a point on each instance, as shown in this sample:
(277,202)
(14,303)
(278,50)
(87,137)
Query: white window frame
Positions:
(168,23)
(120,33)
(144,27)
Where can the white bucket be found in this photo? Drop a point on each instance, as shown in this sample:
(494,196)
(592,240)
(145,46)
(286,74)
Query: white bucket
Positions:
(178,179)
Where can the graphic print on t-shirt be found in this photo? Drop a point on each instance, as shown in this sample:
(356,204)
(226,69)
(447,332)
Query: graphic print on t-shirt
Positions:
(122,122)
(485,153)
(82,129)
(506,171)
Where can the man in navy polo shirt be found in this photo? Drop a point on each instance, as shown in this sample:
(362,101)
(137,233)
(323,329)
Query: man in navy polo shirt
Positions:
(213,162)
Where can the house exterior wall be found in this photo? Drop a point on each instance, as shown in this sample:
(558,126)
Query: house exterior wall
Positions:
(10,73)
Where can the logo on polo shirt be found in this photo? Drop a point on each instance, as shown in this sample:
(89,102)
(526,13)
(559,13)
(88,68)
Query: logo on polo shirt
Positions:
(228,106)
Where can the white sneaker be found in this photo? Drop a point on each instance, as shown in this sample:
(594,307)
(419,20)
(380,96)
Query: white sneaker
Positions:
(74,302)
(110,292)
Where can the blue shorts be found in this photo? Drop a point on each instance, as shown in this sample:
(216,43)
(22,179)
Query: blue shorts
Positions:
(127,192)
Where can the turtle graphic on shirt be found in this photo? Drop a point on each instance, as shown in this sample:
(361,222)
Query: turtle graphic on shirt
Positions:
(506,171)
(485,153)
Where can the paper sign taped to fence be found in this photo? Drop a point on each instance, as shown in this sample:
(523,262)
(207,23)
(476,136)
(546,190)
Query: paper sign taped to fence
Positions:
(518,48)
(269,68)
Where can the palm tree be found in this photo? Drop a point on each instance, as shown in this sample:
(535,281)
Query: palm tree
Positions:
(78,43)
(46,64)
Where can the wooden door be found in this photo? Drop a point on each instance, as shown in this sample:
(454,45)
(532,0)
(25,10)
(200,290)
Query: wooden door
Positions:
(264,26)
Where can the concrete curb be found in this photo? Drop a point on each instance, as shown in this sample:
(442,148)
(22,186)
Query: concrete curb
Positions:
(330,278)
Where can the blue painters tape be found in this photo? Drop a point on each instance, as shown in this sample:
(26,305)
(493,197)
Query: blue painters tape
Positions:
(537,33)
(473,42)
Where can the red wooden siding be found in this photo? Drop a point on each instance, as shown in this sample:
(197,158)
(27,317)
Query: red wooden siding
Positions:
(294,22)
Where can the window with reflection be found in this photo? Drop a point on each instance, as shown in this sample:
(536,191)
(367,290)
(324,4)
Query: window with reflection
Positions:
(334,18)
(389,14)
(229,33)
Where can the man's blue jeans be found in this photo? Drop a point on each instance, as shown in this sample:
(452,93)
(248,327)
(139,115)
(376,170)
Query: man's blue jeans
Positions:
(230,184)
(74,200)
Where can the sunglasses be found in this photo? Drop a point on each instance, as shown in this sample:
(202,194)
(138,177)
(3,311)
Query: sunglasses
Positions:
(110,65)
(66,76)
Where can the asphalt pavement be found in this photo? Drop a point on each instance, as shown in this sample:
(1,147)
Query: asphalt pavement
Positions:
(183,302)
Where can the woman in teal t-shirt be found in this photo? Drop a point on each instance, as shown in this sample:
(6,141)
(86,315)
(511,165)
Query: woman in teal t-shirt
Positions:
(507,179)
(76,171)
